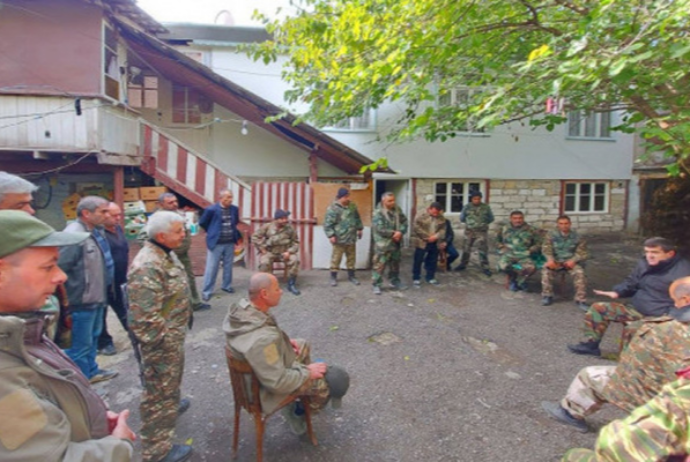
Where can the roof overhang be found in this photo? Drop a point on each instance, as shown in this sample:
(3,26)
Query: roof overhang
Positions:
(185,71)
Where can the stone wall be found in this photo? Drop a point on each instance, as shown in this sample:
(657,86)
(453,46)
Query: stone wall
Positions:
(540,201)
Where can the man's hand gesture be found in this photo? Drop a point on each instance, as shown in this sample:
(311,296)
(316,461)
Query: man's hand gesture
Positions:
(317,370)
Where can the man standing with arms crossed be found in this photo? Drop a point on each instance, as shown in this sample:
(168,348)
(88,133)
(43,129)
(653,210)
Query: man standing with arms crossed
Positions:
(343,226)
(389,225)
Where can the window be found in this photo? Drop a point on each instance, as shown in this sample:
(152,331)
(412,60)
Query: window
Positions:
(461,98)
(364,123)
(453,195)
(185,106)
(111,67)
(582,124)
(143,94)
(586,197)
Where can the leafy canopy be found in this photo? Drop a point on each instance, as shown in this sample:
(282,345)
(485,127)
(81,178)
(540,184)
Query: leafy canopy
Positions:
(345,56)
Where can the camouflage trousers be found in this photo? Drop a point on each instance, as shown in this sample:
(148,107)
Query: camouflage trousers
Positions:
(163,366)
(579,281)
(580,455)
(601,314)
(481,240)
(187,263)
(266,263)
(390,259)
(337,256)
(517,268)
(585,394)
(317,390)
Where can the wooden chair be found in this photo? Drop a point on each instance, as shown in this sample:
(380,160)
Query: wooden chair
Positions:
(442,261)
(280,265)
(246,395)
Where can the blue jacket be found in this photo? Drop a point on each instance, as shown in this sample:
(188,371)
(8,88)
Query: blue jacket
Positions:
(212,222)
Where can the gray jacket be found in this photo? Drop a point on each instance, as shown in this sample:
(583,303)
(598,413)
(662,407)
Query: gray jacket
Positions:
(85,268)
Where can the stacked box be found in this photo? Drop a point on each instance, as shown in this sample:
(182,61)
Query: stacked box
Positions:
(134,208)
(131,194)
(151,193)
(150,206)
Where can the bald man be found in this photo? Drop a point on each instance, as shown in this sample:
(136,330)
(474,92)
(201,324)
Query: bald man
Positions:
(281,364)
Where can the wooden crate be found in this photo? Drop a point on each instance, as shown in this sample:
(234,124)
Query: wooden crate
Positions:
(151,193)
(131,194)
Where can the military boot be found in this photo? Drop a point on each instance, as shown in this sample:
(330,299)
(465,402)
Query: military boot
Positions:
(291,287)
(334,278)
(586,348)
(351,277)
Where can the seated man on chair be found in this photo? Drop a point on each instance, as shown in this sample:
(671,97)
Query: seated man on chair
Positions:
(278,241)
(281,364)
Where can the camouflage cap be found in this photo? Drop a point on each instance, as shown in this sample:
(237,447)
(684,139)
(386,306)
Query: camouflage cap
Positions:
(19,230)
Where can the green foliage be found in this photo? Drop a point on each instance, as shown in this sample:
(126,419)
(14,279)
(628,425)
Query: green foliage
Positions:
(346,56)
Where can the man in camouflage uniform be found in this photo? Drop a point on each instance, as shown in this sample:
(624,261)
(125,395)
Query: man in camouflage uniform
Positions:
(657,431)
(389,225)
(281,364)
(278,241)
(659,348)
(517,241)
(564,250)
(647,285)
(477,217)
(343,226)
(159,313)
(428,236)
(168,201)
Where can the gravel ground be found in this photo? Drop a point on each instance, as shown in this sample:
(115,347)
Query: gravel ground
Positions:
(455,372)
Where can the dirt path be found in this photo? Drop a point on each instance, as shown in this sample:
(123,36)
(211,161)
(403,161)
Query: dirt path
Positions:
(449,373)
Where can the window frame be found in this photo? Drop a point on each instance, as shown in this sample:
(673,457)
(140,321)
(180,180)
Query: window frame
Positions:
(187,107)
(447,204)
(584,118)
(578,197)
(371,128)
(106,51)
(142,89)
(453,93)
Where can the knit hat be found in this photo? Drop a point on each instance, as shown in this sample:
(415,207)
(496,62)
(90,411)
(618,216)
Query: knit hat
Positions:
(338,381)
(475,193)
(281,214)
(342,192)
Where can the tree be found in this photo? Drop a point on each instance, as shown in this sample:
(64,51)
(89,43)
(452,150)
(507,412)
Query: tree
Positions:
(345,56)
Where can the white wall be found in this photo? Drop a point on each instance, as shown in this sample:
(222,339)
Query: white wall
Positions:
(508,152)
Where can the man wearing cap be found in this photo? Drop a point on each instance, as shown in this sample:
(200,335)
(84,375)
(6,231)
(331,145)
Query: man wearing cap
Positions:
(477,217)
(281,364)
(159,313)
(49,410)
(220,223)
(343,226)
(428,235)
(90,270)
(169,202)
(278,241)
(388,226)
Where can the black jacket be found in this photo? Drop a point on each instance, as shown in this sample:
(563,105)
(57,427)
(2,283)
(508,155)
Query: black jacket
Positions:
(648,285)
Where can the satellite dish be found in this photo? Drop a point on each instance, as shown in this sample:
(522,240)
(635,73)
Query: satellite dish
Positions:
(224,18)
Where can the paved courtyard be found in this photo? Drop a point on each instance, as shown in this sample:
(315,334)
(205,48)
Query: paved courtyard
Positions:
(449,373)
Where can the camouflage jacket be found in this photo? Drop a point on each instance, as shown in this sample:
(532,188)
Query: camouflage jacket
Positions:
(384,224)
(159,306)
(342,222)
(477,217)
(270,238)
(652,433)
(255,337)
(562,248)
(518,242)
(424,226)
(660,347)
